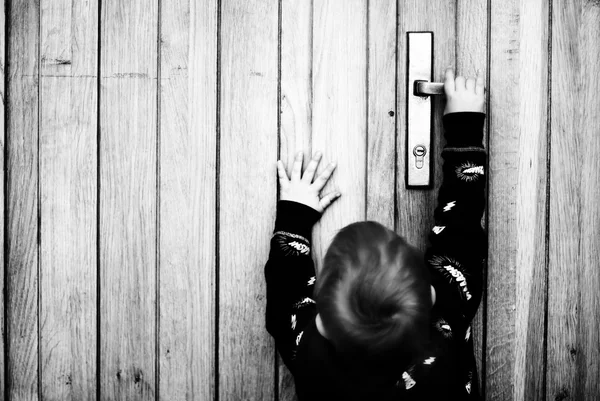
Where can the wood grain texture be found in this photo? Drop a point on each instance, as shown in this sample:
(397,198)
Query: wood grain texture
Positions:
(416,206)
(188,149)
(3,109)
(471,54)
(69,39)
(68,193)
(530,263)
(296,84)
(247,195)
(574,278)
(338,68)
(128,120)
(22,202)
(517,206)
(382,113)
(68,238)
(296,111)
(340,111)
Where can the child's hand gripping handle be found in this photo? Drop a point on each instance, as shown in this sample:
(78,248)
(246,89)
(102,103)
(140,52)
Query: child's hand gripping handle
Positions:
(463,95)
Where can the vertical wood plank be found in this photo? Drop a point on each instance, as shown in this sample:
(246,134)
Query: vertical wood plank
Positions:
(381,146)
(3,109)
(574,278)
(471,54)
(68,185)
(247,195)
(188,139)
(296,110)
(517,200)
(128,120)
(22,201)
(340,111)
(296,83)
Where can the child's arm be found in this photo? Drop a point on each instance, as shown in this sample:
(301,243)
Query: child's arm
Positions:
(458,243)
(290,272)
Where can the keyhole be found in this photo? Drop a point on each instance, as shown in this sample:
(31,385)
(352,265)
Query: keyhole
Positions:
(419,151)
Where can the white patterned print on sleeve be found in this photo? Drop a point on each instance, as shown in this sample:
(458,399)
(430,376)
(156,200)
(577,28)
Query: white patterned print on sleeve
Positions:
(453,271)
(443,327)
(438,229)
(303,249)
(429,360)
(449,206)
(408,381)
(469,381)
(292,244)
(299,338)
(293,322)
(304,302)
(469,171)
(311,281)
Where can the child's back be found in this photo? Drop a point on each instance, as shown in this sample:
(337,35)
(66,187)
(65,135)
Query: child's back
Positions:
(369,330)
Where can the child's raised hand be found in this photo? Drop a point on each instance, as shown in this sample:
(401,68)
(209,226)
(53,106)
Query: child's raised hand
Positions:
(301,188)
(463,95)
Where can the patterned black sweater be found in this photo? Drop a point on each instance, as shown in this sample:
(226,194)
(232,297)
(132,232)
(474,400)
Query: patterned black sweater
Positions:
(456,258)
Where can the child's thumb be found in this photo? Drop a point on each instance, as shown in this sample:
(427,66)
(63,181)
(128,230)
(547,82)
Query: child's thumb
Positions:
(328,199)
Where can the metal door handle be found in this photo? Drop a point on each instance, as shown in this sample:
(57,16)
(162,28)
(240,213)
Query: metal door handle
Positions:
(426,88)
(419,118)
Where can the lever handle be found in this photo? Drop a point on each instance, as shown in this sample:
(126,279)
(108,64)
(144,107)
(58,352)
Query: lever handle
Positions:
(426,88)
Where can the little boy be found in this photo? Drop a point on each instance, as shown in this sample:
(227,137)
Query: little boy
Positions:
(383,321)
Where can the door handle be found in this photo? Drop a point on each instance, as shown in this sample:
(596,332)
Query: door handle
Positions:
(425,88)
(418,108)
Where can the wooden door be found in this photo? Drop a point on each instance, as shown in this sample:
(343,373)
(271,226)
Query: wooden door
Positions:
(139,183)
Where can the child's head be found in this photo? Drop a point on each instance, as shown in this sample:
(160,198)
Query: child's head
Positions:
(373,294)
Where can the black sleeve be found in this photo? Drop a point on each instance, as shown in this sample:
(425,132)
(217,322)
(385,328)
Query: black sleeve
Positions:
(458,244)
(290,277)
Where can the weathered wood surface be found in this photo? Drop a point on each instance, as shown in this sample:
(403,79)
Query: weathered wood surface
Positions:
(128,204)
(2,181)
(68,199)
(339,120)
(187,193)
(176,205)
(573,371)
(517,207)
(296,85)
(22,201)
(247,195)
(381,113)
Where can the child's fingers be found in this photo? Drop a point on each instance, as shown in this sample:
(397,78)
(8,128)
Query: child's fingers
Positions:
(479,86)
(281,173)
(459,83)
(324,177)
(297,169)
(470,85)
(449,81)
(328,199)
(309,174)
